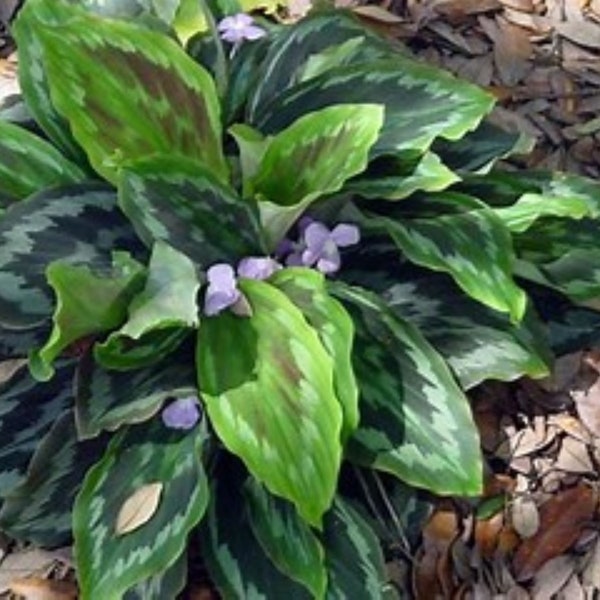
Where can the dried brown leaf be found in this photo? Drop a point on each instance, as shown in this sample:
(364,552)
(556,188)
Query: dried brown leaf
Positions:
(553,576)
(525,516)
(486,534)
(574,457)
(23,564)
(562,519)
(35,588)
(587,404)
(572,590)
(139,508)
(584,33)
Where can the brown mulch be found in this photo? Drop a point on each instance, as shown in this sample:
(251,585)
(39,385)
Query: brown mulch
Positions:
(541,59)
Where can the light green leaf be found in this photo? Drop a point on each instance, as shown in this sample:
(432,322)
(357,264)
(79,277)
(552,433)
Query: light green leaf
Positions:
(306,288)
(170,107)
(109,563)
(286,538)
(252,146)
(415,421)
(86,304)
(169,296)
(33,76)
(28,163)
(267,382)
(314,156)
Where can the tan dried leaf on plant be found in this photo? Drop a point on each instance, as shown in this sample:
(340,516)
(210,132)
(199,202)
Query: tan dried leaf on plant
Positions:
(139,508)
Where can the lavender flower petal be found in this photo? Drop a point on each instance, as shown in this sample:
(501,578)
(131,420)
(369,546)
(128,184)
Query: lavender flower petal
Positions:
(316,235)
(329,264)
(345,234)
(182,413)
(222,289)
(255,267)
(237,28)
(295,259)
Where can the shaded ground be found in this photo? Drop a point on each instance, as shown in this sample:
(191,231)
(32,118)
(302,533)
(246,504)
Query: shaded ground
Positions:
(535,532)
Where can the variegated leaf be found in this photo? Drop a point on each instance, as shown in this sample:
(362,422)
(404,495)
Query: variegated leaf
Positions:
(479,150)
(109,399)
(29,163)
(295,52)
(561,195)
(179,202)
(163,585)
(27,411)
(286,538)
(430,175)
(472,246)
(233,556)
(307,290)
(170,107)
(477,342)
(16,343)
(267,382)
(415,420)
(39,509)
(78,224)
(109,563)
(353,555)
(123,354)
(86,304)
(33,76)
(570,327)
(314,156)
(421,102)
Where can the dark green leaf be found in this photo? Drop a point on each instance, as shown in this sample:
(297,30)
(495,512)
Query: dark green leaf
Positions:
(415,421)
(77,224)
(109,563)
(286,538)
(27,411)
(161,586)
(234,558)
(353,555)
(307,290)
(421,102)
(479,150)
(39,509)
(267,382)
(294,51)
(28,163)
(170,104)
(123,354)
(110,399)
(179,202)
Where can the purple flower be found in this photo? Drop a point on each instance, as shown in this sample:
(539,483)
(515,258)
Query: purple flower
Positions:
(182,413)
(223,292)
(222,289)
(257,267)
(237,28)
(319,247)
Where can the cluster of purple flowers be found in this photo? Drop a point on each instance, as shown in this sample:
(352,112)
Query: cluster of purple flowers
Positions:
(317,247)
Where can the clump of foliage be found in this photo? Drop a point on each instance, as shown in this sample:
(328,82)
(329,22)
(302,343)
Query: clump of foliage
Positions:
(249,274)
